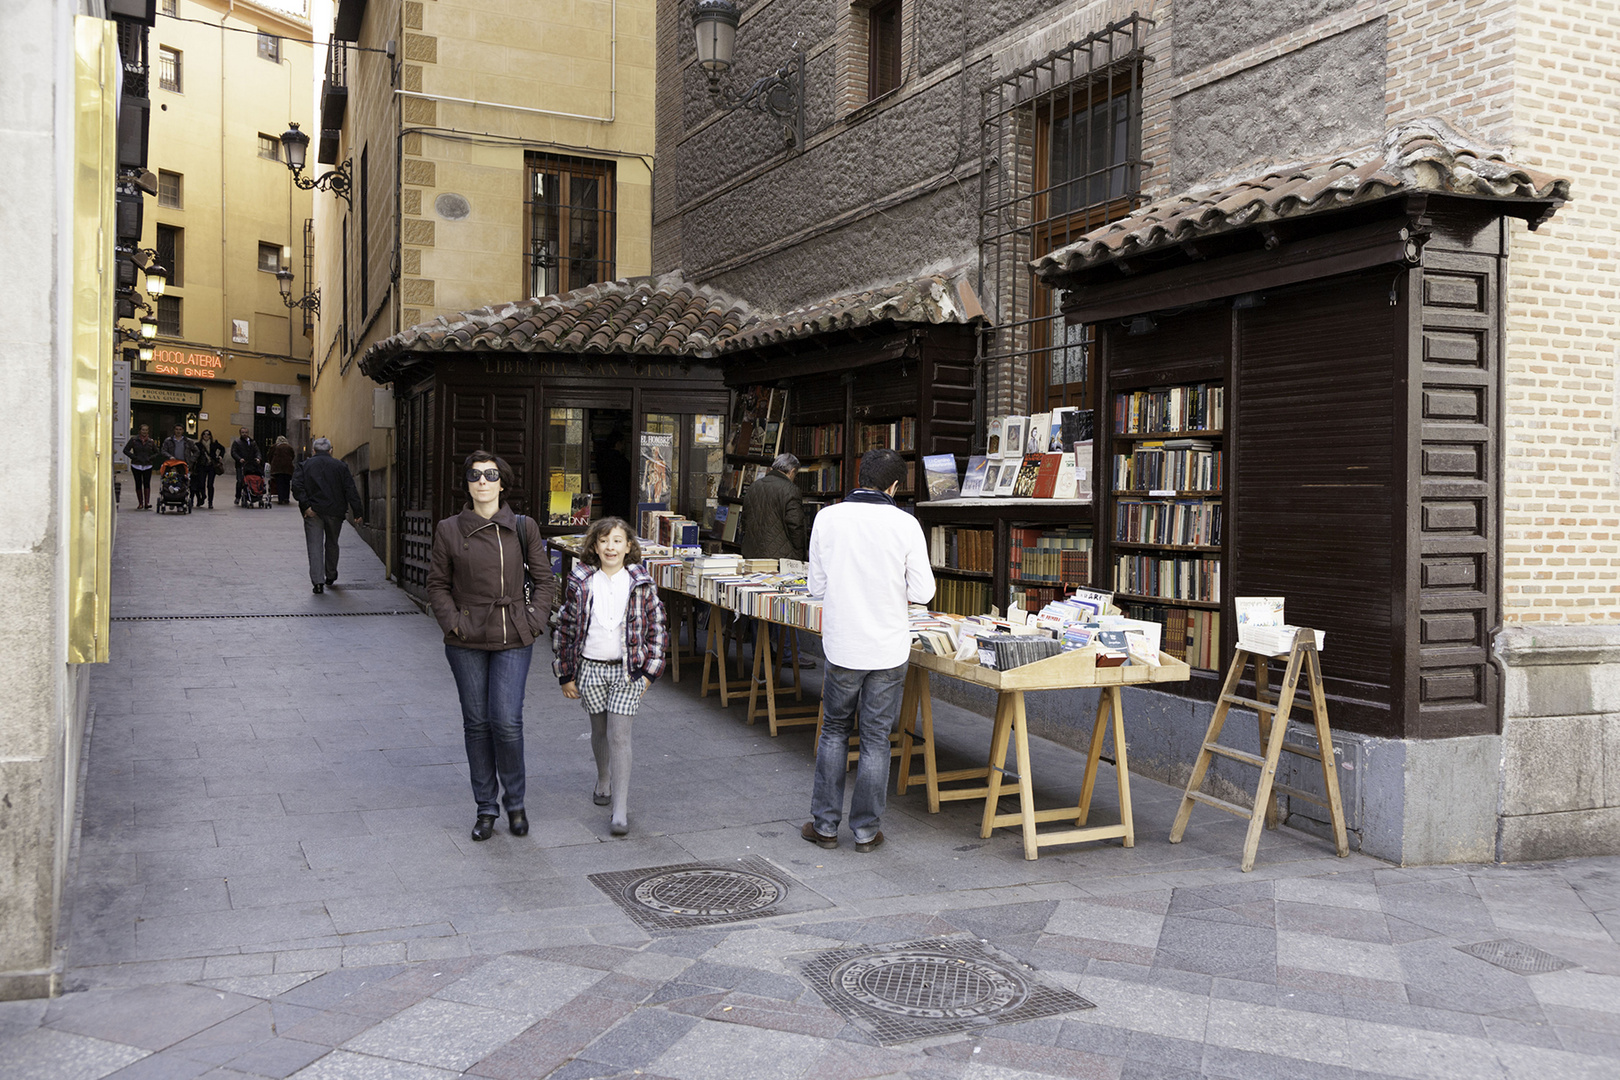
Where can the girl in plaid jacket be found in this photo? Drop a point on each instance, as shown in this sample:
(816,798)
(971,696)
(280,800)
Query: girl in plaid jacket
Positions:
(610,643)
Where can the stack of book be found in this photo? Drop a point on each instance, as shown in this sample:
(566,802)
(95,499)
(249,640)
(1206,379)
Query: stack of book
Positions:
(1185,522)
(954,548)
(1169,465)
(1003,652)
(1262,628)
(1181,408)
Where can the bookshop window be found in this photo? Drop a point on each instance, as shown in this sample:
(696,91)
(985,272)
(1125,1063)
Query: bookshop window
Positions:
(170,246)
(565,462)
(571,223)
(168,66)
(171,189)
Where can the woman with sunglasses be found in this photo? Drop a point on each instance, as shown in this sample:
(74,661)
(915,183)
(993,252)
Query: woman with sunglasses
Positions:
(476,587)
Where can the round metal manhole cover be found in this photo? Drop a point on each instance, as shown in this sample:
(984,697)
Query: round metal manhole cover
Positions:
(705,891)
(931,985)
(452,207)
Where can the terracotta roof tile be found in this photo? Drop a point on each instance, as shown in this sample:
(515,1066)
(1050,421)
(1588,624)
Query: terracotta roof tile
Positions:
(665,316)
(1421,155)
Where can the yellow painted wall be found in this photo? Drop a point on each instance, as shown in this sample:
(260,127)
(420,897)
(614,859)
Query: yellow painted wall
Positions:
(517,70)
(233,200)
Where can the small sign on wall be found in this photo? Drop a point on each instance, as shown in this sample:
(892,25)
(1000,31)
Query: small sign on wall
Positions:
(239,332)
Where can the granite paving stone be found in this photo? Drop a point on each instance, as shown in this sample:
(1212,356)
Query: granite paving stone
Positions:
(444,1034)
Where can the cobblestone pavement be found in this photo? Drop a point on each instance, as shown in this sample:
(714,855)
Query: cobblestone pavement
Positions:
(275,878)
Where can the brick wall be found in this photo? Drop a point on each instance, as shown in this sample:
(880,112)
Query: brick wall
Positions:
(1563,350)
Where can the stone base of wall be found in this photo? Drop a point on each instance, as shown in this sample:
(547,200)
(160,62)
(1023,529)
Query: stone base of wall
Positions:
(1560,793)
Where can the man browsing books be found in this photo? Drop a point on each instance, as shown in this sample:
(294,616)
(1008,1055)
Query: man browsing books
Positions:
(868,560)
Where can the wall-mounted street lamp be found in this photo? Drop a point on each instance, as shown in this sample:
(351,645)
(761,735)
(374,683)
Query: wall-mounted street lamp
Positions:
(143,345)
(780,94)
(295,144)
(310,301)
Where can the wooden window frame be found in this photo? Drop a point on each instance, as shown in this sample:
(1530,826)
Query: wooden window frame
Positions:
(561,263)
(174,258)
(878,81)
(174,60)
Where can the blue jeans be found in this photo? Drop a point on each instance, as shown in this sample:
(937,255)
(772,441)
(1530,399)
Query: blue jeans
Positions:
(876,694)
(491,687)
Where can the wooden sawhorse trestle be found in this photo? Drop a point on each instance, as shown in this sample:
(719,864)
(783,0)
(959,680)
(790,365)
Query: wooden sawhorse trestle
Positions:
(1274,717)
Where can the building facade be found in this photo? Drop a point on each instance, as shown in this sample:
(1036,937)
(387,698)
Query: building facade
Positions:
(494,156)
(992,137)
(60,65)
(228,78)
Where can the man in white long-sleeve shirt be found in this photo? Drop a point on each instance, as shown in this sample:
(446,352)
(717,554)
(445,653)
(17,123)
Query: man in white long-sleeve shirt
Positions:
(868,560)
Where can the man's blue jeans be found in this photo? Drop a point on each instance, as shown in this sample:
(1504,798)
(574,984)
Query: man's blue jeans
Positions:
(491,687)
(876,695)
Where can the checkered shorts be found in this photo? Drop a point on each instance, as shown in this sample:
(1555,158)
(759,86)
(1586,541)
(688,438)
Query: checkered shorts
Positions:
(602,687)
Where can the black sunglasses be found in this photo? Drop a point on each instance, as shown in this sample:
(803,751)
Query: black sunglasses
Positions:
(492,475)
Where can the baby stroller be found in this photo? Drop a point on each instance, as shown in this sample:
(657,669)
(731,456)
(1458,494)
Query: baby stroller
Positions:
(255,492)
(174,487)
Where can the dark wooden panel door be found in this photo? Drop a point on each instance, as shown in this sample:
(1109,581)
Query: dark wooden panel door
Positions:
(1315,490)
(503,421)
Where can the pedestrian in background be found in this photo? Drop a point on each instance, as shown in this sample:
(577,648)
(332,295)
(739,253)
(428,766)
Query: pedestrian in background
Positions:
(773,514)
(325,491)
(611,643)
(282,462)
(245,454)
(476,587)
(868,558)
(180,447)
(210,463)
(144,453)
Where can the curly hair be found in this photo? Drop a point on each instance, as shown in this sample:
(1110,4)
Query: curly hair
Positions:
(600,528)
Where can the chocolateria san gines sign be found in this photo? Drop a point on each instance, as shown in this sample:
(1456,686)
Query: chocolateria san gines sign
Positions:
(191,363)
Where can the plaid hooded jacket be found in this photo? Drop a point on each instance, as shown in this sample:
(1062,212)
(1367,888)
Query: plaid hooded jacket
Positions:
(646,627)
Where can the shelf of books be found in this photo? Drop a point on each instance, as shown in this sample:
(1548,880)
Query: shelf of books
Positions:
(1165,520)
(758,426)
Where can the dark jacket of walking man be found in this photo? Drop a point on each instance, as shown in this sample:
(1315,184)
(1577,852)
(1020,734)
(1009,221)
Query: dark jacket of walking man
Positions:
(325,490)
(773,514)
(245,453)
(868,559)
(180,447)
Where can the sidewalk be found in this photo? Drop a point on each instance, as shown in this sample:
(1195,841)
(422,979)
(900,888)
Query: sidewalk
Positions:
(275,878)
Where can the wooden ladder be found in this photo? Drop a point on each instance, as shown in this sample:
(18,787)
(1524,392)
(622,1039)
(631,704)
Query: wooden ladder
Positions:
(1274,716)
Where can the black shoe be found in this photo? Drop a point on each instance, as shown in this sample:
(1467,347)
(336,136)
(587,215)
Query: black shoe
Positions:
(320,588)
(868,845)
(599,799)
(819,839)
(484,827)
(518,822)
(332,580)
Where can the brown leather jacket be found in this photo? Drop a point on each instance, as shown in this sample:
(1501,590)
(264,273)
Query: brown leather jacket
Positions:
(475,581)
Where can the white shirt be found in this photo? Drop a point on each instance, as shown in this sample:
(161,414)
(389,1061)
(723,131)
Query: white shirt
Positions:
(610,599)
(867,560)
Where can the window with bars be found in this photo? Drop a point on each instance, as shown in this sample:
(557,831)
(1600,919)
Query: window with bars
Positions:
(571,223)
(270,48)
(269,257)
(168,65)
(171,7)
(883,48)
(170,246)
(168,316)
(1062,156)
(269,147)
(171,189)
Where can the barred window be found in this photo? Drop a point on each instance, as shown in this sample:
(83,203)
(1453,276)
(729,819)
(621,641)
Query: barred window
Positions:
(171,7)
(571,223)
(168,316)
(1062,145)
(269,257)
(270,48)
(269,147)
(168,65)
(171,189)
(171,253)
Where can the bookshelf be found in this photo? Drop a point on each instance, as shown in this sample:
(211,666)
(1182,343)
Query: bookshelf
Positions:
(1165,512)
(757,433)
(990,552)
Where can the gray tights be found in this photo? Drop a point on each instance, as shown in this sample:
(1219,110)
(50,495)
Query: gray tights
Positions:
(610,742)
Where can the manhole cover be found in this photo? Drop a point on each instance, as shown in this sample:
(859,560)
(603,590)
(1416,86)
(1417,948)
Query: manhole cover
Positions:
(1517,956)
(938,986)
(703,894)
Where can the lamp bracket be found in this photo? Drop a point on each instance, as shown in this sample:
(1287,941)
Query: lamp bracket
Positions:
(339,181)
(779,95)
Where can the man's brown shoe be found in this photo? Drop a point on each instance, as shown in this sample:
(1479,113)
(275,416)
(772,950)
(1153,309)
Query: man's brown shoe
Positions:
(816,838)
(868,845)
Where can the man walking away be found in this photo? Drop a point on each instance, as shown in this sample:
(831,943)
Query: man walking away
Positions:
(245,453)
(868,558)
(325,489)
(773,514)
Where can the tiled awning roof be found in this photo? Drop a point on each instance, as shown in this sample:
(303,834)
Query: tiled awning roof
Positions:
(663,317)
(1424,155)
